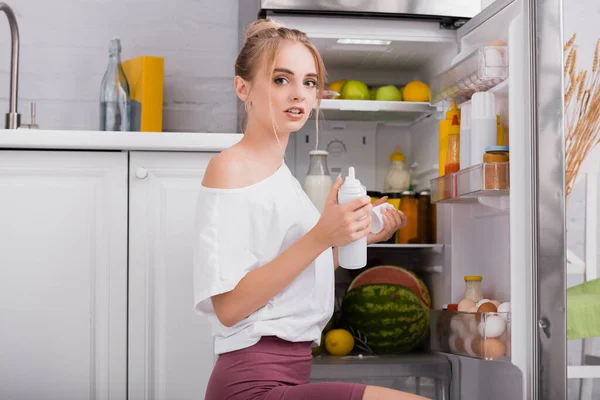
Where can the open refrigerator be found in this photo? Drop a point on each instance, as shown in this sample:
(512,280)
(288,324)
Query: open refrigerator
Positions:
(514,238)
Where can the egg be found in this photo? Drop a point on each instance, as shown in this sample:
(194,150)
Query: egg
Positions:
(465,304)
(499,43)
(493,349)
(504,308)
(473,310)
(476,346)
(486,308)
(457,326)
(473,327)
(468,345)
(480,302)
(492,327)
(452,343)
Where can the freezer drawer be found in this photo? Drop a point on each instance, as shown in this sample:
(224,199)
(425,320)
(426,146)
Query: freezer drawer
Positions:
(424,374)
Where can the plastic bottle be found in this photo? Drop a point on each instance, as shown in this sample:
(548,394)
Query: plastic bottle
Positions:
(353,255)
(453,156)
(465,135)
(397,178)
(484,130)
(443,135)
(500,141)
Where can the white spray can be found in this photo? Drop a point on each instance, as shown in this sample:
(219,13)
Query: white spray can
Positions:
(353,255)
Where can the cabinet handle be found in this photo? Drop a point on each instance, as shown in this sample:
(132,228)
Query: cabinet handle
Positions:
(141,173)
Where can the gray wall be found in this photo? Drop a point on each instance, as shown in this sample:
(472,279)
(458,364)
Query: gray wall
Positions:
(64,52)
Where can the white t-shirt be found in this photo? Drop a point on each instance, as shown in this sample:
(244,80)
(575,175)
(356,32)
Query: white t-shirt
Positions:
(238,230)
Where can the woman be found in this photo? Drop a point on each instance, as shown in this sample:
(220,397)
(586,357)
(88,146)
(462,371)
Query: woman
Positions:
(264,263)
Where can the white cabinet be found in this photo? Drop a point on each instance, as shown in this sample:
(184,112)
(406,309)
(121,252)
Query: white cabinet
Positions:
(63,275)
(170,347)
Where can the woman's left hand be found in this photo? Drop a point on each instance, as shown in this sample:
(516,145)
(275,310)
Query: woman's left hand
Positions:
(393,220)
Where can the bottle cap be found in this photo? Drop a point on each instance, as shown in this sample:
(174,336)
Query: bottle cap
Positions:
(318,153)
(452,111)
(473,278)
(351,180)
(496,148)
(397,155)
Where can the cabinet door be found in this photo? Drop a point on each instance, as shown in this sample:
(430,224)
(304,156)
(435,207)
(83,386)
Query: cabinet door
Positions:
(170,347)
(63,275)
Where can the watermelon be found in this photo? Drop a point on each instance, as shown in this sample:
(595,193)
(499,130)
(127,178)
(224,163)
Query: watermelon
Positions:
(394,275)
(388,318)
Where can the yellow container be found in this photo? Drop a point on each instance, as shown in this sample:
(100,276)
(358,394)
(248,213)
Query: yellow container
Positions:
(500,140)
(443,135)
(145,76)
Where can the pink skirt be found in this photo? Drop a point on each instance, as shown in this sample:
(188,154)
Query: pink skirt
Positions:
(273,369)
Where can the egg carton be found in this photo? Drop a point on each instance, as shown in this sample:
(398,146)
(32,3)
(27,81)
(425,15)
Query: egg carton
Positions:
(479,72)
(484,335)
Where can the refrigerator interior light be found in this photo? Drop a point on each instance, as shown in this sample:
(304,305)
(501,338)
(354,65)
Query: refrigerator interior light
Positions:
(375,42)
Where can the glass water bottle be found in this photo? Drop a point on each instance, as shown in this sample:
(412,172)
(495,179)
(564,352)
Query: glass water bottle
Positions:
(114,93)
(318,182)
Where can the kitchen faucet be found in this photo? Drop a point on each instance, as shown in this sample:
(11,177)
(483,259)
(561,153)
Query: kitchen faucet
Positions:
(13,119)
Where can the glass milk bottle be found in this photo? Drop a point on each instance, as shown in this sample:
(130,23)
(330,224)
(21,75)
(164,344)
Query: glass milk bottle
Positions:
(318,182)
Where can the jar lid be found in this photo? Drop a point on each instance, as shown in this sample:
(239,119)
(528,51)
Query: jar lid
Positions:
(425,192)
(392,195)
(496,148)
(473,278)
(408,193)
(318,153)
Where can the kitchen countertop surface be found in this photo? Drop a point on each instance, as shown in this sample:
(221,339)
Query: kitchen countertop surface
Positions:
(97,140)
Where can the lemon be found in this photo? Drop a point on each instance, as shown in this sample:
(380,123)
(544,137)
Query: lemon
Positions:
(416,91)
(336,86)
(339,342)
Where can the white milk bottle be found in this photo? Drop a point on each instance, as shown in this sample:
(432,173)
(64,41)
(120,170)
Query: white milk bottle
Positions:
(352,255)
(318,182)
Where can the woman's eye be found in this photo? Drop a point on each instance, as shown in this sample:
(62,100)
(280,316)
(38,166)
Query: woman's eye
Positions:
(311,83)
(281,81)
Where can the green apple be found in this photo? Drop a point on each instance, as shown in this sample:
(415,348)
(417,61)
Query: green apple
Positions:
(388,93)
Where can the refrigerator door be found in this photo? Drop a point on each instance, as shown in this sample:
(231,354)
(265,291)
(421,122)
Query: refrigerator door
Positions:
(537,200)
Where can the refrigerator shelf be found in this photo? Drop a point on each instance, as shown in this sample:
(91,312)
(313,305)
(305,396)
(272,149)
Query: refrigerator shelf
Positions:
(482,70)
(428,374)
(484,336)
(372,110)
(425,246)
(471,184)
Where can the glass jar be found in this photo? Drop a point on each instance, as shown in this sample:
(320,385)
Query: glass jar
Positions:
(397,178)
(495,167)
(318,182)
(409,206)
(473,288)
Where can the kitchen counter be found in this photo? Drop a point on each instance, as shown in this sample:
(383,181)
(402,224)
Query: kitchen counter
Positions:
(97,140)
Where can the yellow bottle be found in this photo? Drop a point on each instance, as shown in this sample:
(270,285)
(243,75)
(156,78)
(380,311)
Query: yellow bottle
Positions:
(500,132)
(444,132)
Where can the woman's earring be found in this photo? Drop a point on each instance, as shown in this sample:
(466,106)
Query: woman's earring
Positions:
(310,113)
(248,106)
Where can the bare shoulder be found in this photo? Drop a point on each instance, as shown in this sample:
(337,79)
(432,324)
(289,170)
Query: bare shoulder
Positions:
(225,171)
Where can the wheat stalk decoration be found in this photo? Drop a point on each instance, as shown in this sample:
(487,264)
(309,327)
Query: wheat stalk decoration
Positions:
(582,111)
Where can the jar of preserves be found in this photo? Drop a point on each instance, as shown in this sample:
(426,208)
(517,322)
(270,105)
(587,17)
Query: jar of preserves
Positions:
(410,207)
(495,167)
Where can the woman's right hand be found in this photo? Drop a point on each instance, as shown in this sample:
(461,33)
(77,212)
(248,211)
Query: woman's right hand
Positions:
(341,224)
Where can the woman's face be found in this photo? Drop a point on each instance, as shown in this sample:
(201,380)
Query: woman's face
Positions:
(293,88)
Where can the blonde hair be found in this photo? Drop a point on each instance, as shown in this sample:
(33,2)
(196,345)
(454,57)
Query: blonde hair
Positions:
(263,39)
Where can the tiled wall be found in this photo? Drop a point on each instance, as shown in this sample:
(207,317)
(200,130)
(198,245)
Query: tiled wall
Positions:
(64,52)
